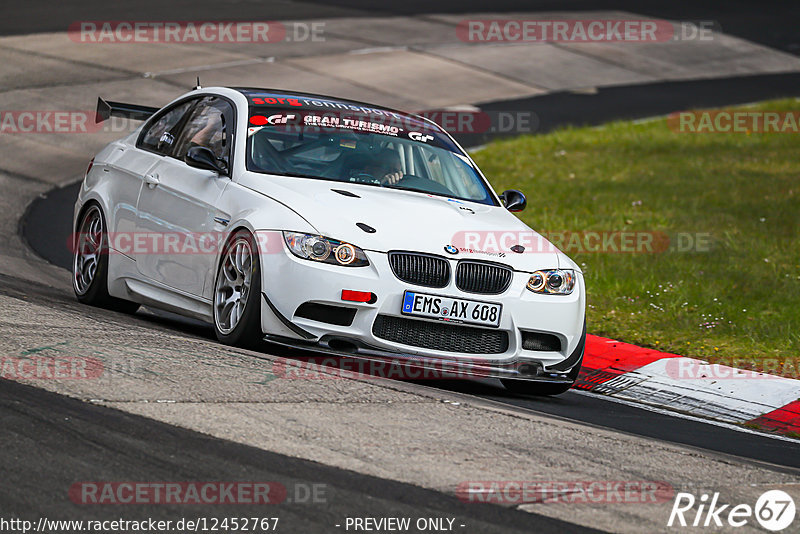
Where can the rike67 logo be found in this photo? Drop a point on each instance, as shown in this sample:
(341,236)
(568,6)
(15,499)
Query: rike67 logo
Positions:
(774,510)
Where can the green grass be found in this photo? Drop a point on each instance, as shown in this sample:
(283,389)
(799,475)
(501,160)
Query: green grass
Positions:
(738,301)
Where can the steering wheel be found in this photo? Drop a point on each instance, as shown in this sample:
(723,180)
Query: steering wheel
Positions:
(364,178)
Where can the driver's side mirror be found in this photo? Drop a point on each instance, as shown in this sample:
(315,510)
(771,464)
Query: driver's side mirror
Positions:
(201,157)
(514,200)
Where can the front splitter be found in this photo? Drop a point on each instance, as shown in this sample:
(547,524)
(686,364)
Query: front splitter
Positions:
(406,365)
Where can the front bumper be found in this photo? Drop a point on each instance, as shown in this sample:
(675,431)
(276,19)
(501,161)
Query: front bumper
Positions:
(403,365)
(289,282)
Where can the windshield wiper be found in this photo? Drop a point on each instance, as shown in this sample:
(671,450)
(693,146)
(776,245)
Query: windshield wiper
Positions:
(416,190)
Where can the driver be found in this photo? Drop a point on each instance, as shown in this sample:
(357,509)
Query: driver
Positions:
(384,167)
(208,126)
(390,168)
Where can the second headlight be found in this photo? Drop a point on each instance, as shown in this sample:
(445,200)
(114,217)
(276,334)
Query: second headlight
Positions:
(552,282)
(324,250)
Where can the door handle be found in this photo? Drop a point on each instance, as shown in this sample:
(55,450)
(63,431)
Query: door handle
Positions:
(151,180)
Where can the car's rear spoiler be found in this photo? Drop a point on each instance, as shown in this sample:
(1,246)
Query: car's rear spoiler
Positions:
(119,109)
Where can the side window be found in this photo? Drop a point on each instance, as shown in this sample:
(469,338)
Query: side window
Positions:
(209,125)
(160,135)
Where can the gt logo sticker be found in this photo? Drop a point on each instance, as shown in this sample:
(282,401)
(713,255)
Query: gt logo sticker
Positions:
(280,119)
(422,138)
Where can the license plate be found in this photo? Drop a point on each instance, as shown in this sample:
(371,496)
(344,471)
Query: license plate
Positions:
(451,309)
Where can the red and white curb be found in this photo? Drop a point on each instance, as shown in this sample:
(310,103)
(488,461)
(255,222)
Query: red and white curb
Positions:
(690,386)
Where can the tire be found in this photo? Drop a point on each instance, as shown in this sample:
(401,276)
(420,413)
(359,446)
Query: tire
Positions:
(539,389)
(90,263)
(524,387)
(237,293)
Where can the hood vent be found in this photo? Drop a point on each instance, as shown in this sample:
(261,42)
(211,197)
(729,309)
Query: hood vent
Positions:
(345,193)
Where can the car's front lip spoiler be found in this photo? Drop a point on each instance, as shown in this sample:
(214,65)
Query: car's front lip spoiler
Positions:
(444,368)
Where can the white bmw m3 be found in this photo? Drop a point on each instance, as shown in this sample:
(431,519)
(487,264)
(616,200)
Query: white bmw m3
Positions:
(330,225)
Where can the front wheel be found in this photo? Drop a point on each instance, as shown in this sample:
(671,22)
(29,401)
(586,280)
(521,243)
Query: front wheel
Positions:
(237,290)
(539,389)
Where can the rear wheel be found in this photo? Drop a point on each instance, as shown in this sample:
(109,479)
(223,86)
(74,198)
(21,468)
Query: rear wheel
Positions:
(90,263)
(237,290)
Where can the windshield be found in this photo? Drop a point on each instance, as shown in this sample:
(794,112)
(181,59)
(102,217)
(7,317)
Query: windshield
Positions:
(397,152)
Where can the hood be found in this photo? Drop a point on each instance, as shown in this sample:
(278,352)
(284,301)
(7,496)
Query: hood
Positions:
(411,221)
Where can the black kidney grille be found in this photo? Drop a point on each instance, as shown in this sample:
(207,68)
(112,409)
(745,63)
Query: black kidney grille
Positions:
(420,269)
(440,336)
(484,278)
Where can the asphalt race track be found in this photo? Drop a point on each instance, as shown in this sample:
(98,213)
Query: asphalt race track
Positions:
(48,441)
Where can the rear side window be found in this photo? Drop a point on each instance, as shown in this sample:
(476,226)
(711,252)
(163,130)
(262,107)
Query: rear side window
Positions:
(159,136)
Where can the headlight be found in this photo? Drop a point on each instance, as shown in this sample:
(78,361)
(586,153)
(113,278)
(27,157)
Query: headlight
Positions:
(324,249)
(552,282)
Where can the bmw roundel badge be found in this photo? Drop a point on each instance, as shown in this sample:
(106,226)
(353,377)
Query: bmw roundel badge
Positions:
(450,249)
